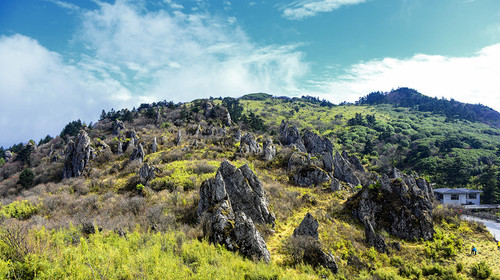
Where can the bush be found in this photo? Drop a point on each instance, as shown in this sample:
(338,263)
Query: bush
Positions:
(481,270)
(21,210)
(26,178)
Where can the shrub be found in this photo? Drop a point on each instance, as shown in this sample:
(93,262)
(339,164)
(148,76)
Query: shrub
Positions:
(20,210)
(481,270)
(26,178)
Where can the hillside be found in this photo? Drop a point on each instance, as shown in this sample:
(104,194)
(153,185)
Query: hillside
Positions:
(221,188)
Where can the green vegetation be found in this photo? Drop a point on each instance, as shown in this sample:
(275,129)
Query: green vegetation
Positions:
(26,178)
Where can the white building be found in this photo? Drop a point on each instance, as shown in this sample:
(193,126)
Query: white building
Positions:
(460,196)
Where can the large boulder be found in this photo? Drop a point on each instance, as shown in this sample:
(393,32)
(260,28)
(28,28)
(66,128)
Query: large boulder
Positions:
(343,171)
(397,205)
(269,150)
(138,153)
(178,138)
(146,174)
(290,135)
(316,144)
(248,145)
(225,224)
(310,175)
(8,155)
(77,156)
(118,127)
(307,239)
(154,146)
(374,239)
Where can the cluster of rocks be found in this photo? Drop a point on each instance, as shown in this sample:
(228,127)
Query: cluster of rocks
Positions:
(77,156)
(313,252)
(248,145)
(230,206)
(399,204)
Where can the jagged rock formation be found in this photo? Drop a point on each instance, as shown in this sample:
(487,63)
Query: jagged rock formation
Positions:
(313,252)
(77,155)
(178,138)
(374,239)
(8,155)
(397,205)
(269,150)
(310,175)
(154,146)
(138,153)
(118,127)
(316,144)
(229,206)
(237,136)
(248,145)
(290,135)
(343,171)
(146,174)
(119,148)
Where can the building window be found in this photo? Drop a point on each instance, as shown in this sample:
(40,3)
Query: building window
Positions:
(454,197)
(472,196)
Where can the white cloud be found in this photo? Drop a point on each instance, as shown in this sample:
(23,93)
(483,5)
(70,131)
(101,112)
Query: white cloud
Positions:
(472,79)
(65,5)
(40,93)
(308,8)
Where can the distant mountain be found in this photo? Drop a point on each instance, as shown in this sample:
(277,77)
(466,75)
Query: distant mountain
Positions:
(410,98)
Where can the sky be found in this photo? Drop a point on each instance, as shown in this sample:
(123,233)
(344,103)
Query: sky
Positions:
(63,60)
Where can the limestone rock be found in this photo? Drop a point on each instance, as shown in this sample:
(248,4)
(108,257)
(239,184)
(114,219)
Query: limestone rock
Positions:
(296,161)
(119,148)
(310,175)
(77,155)
(154,146)
(118,127)
(269,150)
(328,161)
(249,240)
(374,239)
(137,153)
(308,227)
(146,174)
(8,155)
(343,171)
(313,251)
(237,136)
(178,138)
(397,205)
(316,144)
(248,145)
(290,135)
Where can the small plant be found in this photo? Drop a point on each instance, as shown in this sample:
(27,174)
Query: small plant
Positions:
(26,178)
(139,187)
(21,210)
(481,270)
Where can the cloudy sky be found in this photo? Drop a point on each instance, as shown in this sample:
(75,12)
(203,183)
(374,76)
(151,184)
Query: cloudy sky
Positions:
(62,60)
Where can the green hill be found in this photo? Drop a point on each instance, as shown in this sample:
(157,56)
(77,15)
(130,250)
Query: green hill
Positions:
(104,217)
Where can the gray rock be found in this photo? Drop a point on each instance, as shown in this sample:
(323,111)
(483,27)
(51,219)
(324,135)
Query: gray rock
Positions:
(316,144)
(8,155)
(249,240)
(269,150)
(335,185)
(119,148)
(198,130)
(375,240)
(77,155)
(290,135)
(328,161)
(310,175)
(308,227)
(343,171)
(248,145)
(354,161)
(296,161)
(137,153)
(146,174)
(178,138)
(237,136)
(154,146)
(118,127)
(132,135)
(397,205)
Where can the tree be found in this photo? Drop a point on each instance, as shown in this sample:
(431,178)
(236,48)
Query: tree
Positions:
(26,178)
(72,129)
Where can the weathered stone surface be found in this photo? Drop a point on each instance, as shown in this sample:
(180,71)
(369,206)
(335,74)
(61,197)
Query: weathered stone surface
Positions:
(354,161)
(178,138)
(269,150)
(314,253)
(8,155)
(118,127)
(154,146)
(226,224)
(290,135)
(198,130)
(316,144)
(137,153)
(343,171)
(310,175)
(146,174)
(335,185)
(374,239)
(297,160)
(397,205)
(237,136)
(119,148)
(328,161)
(248,145)
(77,156)
(308,227)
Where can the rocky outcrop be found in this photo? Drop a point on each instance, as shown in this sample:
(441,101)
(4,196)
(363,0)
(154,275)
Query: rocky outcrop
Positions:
(248,145)
(308,238)
(269,150)
(138,153)
(354,162)
(230,205)
(77,156)
(343,171)
(119,148)
(397,205)
(178,138)
(290,135)
(316,144)
(154,146)
(118,127)
(8,155)
(310,175)
(146,174)
(374,239)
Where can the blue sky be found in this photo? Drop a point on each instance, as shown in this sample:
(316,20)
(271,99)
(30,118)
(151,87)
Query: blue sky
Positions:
(67,60)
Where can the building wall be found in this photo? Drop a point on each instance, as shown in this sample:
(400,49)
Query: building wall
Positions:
(475,201)
(462,199)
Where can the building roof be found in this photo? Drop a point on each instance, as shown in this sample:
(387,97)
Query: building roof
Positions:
(456,191)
